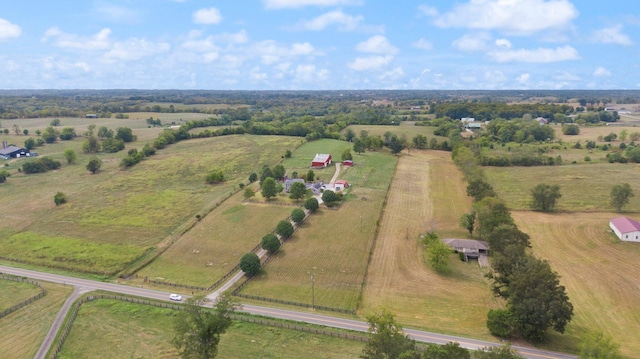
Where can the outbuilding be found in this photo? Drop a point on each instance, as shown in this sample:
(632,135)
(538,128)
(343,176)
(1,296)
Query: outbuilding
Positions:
(339,185)
(321,160)
(469,247)
(13,151)
(626,229)
(347,163)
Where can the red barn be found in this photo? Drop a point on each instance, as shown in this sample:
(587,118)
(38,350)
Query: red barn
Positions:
(347,163)
(321,160)
(339,185)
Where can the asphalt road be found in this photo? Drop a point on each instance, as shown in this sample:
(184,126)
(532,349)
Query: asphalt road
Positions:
(312,318)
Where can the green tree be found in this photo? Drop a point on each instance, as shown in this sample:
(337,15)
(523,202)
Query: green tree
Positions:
(198,329)
(16,129)
(104,132)
(70,155)
(451,350)
(215,176)
(268,188)
(467,221)
(479,189)
(287,154)
(90,130)
(250,264)
(571,130)
(266,172)
(30,143)
(311,204)
(349,135)
(112,145)
(91,145)
(67,133)
(55,122)
(545,197)
(500,322)
(297,190)
(279,171)
(359,146)
(49,135)
(3,175)
(125,134)
(623,135)
(248,193)
(253,177)
(270,242)
(346,155)
(297,215)
(620,195)
(596,345)
(25,132)
(310,176)
(328,197)
(284,229)
(438,254)
(490,213)
(420,142)
(59,198)
(396,145)
(387,339)
(94,165)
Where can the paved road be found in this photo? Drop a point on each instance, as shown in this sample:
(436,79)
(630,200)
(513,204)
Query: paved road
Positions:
(312,318)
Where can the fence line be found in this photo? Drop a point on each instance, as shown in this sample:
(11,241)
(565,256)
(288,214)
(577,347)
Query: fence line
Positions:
(25,302)
(57,266)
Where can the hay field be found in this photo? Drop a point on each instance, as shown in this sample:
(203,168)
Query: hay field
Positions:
(114,329)
(405,128)
(591,133)
(114,216)
(598,270)
(13,293)
(332,245)
(24,330)
(584,187)
(427,192)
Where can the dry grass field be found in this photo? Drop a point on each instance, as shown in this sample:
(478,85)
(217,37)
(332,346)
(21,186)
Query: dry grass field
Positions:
(113,329)
(12,293)
(598,270)
(427,192)
(591,133)
(583,187)
(407,129)
(332,245)
(24,330)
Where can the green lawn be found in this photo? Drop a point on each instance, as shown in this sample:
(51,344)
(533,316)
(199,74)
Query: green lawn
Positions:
(13,293)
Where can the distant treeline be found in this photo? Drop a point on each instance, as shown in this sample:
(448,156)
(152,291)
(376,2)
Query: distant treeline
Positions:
(485,111)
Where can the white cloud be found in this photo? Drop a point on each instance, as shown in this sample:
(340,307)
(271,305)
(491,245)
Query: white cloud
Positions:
(423,44)
(612,35)
(272,52)
(8,30)
(540,55)
(393,75)
(494,76)
(135,49)
(309,73)
(211,43)
(338,18)
(208,16)
(523,79)
(428,10)
(504,43)
(99,41)
(285,4)
(514,16)
(601,72)
(473,42)
(377,44)
(116,13)
(370,63)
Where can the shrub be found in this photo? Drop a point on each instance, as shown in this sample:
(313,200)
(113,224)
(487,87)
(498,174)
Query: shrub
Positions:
(571,130)
(250,264)
(60,198)
(3,175)
(500,322)
(215,176)
(271,243)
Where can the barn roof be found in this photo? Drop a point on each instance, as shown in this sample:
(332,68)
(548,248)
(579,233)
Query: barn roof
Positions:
(10,149)
(466,243)
(625,224)
(344,182)
(321,157)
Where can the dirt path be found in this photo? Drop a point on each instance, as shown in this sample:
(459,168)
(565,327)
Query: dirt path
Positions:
(335,175)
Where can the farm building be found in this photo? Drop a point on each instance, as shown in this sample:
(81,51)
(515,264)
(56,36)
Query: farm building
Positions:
(469,247)
(91,115)
(339,185)
(12,151)
(542,120)
(289,181)
(321,160)
(347,163)
(626,229)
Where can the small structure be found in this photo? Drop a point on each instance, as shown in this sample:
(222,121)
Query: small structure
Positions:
(347,163)
(542,120)
(339,185)
(469,247)
(467,119)
(91,115)
(626,229)
(289,181)
(316,188)
(321,160)
(13,151)
(475,125)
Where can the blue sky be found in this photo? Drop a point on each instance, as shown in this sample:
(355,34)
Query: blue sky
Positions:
(319,44)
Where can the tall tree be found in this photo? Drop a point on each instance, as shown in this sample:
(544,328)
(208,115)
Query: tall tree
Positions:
(387,339)
(250,264)
(268,188)
(359,146)
(438,254)
(198,329)
(396,145)
(270,242)
(297,190)
(490,213)
(70,155)
(479,189)
(620,195)
(545,197)
(467,221)
(284,229)
(279,172)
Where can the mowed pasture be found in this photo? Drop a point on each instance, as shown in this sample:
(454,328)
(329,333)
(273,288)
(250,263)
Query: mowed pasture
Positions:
(116,215)
(13,292)
(407,129)
(591,133)
(114,329)
(584,187)
(24,330)
(333,245)
(300,161)
(427,193)
(598,270)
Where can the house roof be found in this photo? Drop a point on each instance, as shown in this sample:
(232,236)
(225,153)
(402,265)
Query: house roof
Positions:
(321,157)
(344,182)
(293,180)
(466,243)
(626,225)
(10,149)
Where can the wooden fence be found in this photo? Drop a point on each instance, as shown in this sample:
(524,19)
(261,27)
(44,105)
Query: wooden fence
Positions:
(25,302)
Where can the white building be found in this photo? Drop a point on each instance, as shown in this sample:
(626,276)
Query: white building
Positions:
(626,229)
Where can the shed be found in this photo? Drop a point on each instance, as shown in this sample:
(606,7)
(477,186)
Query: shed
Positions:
(626,229)
(321,160)
(347,162)
(470,247)
(339,185)
(13,151)
(91,115)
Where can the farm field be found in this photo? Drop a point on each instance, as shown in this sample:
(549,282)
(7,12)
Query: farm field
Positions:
(598,271)
(583,187)
(427,193)
(300,161)
(332,245)
(108,328)
(115,216)
(13,293)
(591,133)
(24,330)
(406,128)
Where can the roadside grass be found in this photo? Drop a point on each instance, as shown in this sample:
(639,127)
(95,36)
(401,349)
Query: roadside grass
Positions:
(598,271)
(332,245)
(115,329)
(13,293)
(427,193)
(583,187)
(134,208)
(24,330)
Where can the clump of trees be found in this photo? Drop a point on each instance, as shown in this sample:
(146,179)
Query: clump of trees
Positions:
(545,197)
(42,164)
(215,176)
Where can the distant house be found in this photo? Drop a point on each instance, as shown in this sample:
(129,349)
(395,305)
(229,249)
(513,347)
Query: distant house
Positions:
(469,247)
(467,119)
(321,160)
(316,188)
(339,185)
(347,163)
(13,151)
(289,181)
(475,125)
(91,115)
(626,229)
(542,120)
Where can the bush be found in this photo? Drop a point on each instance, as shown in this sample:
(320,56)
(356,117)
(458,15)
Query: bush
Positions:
(112,145)
(311,204)
(571,130)
(60,198)
(250,264)
(500,322)
(3,175)
(284,229)
(215,176)
(271,243)
(297,215)
(40,165)
(94,165)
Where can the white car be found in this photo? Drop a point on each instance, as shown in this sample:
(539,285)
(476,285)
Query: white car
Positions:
(176,297)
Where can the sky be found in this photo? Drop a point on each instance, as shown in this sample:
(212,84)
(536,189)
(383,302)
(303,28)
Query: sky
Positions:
(319,44)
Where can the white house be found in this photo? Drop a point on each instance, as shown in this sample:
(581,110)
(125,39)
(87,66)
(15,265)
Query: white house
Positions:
(467,119)
(626,229)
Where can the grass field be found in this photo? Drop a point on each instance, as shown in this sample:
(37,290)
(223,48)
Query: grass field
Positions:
(583,187)
(427,193)
(598,270)
(332,245)
(13,293)
(113,329)
(301,159)
(408,129)
(116,215)
(24,330)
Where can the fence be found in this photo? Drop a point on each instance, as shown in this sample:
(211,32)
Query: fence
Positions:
(58,266)
(25,302)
